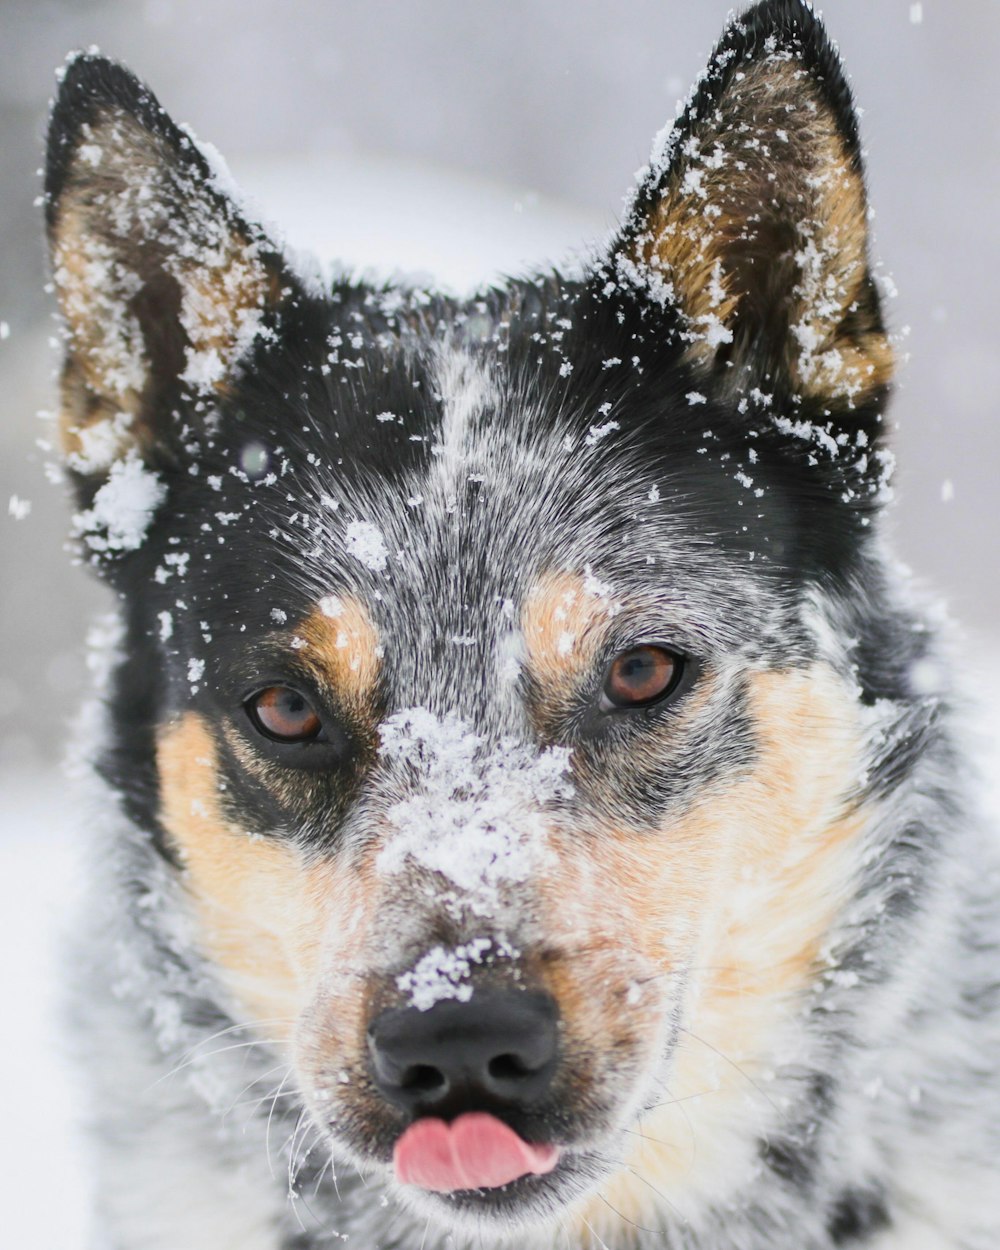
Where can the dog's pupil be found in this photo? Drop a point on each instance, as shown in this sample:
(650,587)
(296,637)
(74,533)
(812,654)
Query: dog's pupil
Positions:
(642,669)
(638,667)
(293,709)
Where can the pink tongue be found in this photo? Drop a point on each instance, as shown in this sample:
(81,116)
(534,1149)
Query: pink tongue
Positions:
(476,1151)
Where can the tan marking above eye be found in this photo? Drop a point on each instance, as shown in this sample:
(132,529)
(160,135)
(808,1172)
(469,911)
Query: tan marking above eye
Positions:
(341,648)
(564,623)
(561,624)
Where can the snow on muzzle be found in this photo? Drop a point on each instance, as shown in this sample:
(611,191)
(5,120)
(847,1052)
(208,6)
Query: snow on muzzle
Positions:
(472,814)
(474,819)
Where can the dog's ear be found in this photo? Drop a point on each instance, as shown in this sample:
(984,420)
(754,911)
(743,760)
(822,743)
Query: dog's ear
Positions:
(750,225)
(164,287)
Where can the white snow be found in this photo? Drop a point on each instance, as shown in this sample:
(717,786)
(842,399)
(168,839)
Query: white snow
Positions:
(565,642)
(593,585)
(123,507)
(441,974)
(100,442)
(364,541)
(215,343)
(599,432)
(475,814)
(332,606)
(254,460)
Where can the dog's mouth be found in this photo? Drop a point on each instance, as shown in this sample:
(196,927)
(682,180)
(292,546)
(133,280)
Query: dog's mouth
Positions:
(474,1152)
(478,1168)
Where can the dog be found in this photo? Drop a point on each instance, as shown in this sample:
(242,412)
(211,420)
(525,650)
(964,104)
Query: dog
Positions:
(529,806)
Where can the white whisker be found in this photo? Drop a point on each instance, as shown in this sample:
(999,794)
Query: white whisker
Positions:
(270,1116)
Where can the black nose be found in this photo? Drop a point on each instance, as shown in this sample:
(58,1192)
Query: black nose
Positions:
(498,1049)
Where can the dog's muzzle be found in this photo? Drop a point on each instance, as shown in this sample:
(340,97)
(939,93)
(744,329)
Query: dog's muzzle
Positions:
(461,1070)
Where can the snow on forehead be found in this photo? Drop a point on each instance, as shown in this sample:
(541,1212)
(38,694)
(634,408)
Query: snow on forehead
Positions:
(472,814)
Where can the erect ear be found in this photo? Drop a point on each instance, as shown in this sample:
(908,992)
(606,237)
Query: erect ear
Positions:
(164,286)
(751,220)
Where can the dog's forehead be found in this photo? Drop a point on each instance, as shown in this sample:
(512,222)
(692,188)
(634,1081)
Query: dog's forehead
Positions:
(518,518)
(470,492)
(443,555)
(487,461)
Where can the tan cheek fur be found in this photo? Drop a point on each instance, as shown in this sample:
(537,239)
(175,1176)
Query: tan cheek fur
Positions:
(265,915)
(745,889)
(260,908)
(332,1041)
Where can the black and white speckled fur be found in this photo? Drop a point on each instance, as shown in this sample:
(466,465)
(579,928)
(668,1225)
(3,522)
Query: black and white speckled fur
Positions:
(546,425)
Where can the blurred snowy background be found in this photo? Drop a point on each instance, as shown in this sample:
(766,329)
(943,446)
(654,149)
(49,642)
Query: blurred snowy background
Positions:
(460,140)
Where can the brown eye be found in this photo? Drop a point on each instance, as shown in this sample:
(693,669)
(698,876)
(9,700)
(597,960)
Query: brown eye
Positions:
(640,676)
(284,715)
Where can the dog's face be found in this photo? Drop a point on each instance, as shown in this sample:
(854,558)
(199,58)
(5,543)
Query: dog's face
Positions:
(479,682)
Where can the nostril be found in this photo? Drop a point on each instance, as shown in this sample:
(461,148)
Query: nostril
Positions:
(508,1068)
(422,1078)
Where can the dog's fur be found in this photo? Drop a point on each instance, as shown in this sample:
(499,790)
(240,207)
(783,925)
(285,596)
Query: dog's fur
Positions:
(763,906)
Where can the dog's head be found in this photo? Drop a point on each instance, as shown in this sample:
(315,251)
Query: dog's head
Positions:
(480,684)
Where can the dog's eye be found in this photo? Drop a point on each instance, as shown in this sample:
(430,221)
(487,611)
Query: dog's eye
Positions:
(284,715)
(641,676)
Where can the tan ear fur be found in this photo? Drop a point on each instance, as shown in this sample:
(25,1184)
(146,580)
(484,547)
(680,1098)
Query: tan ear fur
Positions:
(160,283)
(759,237)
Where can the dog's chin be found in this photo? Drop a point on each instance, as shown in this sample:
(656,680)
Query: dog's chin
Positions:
(356,1134)
(528,1203)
